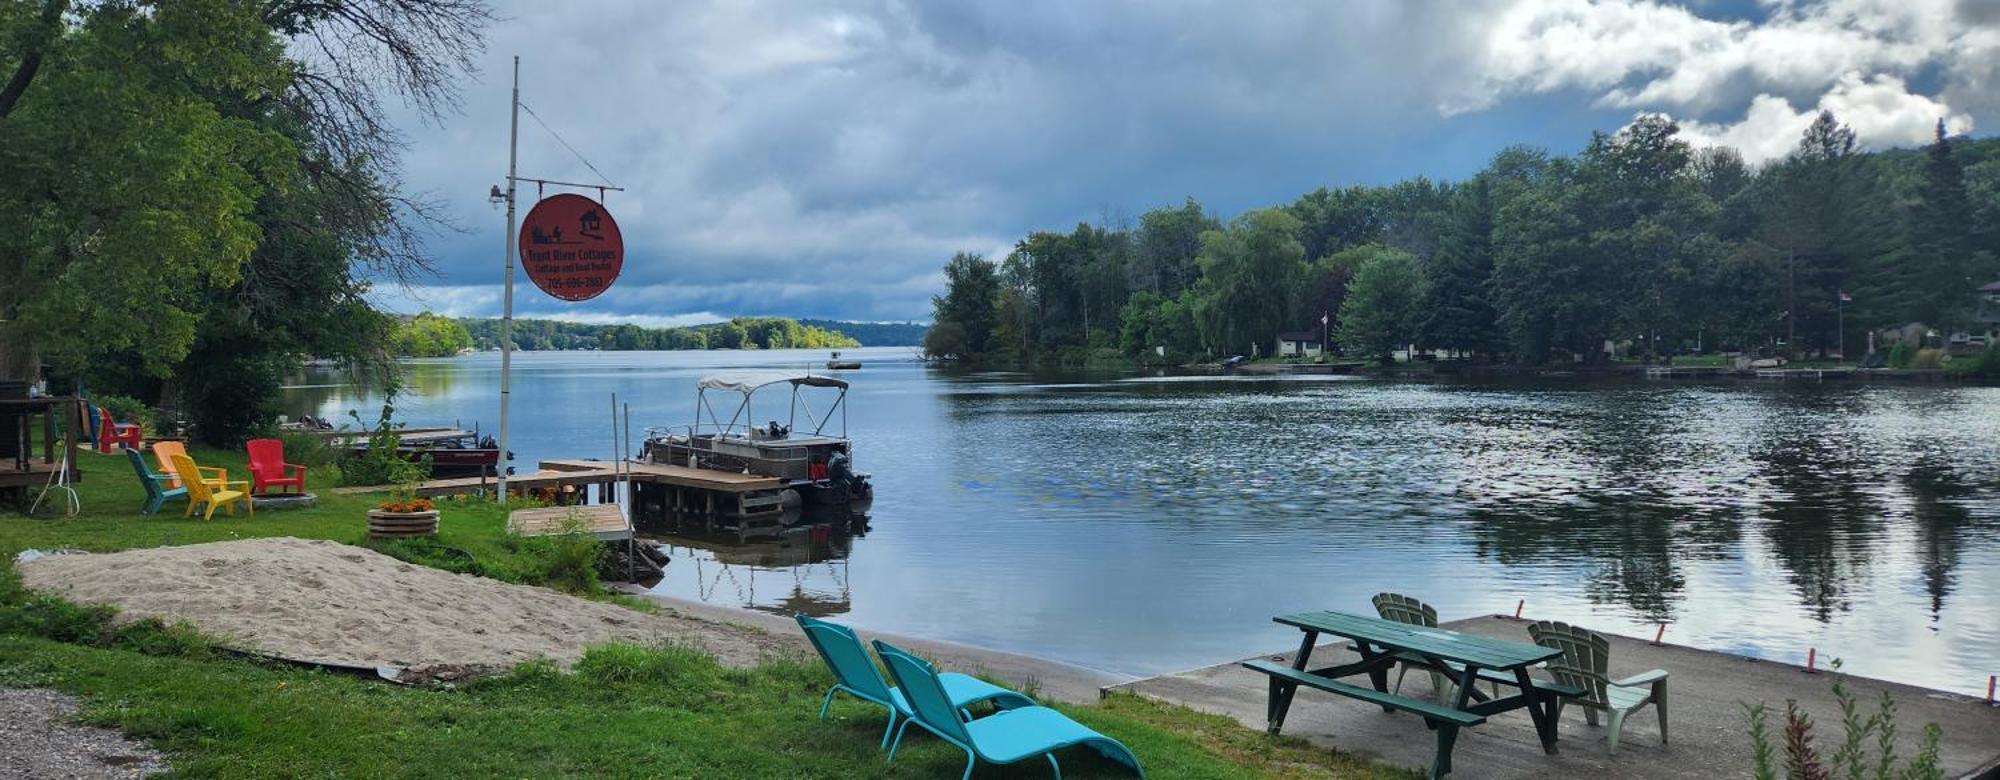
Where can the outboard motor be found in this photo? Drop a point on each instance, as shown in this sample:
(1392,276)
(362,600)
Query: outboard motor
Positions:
(846,484)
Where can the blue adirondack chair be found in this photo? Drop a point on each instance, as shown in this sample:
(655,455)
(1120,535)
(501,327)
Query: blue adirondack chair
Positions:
(1004,737)
(856,675)
(157,491)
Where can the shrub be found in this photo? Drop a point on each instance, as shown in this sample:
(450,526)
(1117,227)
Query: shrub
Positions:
(1930,357)
(566,561)
(380,463)
(128,409)
(308,449)
(1983,367)
(1900,355)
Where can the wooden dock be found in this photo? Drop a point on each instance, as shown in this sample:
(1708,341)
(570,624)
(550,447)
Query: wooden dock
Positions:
(606,521)
(540,480)
(406,435)
(671,475)
(744,504)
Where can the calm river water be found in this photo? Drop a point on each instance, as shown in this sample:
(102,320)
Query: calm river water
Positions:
(1143,524)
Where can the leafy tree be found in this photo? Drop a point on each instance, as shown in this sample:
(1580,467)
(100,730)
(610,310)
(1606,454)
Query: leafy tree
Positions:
(128,192)
(1250,276)
(1382,310)
(967,309)
(1169,240)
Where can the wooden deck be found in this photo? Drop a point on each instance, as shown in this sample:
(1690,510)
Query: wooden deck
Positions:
(728,482)
(37,475)
(606,521)
(584,473)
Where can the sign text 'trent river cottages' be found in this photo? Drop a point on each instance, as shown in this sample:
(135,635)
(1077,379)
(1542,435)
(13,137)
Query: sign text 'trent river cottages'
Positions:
(570,247)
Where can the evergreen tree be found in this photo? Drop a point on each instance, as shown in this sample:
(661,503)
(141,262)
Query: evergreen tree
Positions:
(1936,286)
(1458,313)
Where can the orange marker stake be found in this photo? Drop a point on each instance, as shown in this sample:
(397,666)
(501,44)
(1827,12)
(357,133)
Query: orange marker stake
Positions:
(1990,680)
(1660,633)
(1812,655)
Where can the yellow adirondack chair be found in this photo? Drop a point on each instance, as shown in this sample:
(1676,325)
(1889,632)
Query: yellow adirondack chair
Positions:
(164,452)
(205,494)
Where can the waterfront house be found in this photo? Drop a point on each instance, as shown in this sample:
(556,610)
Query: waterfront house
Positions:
(1986,318)
(1300,343)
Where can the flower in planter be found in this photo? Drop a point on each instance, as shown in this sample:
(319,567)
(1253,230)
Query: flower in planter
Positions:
(408,506)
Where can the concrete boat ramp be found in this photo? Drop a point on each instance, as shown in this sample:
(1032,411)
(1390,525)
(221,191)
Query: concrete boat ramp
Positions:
(1705,715)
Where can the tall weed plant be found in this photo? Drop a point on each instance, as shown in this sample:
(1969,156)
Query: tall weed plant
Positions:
(1867,749)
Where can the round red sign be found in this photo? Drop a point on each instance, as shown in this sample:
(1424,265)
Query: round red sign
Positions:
(570,247)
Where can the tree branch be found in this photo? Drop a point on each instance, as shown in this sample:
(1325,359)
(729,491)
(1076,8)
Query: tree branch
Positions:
(31,58)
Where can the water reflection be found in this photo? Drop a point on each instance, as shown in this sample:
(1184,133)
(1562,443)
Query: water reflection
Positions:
(1068,512)
(805,570)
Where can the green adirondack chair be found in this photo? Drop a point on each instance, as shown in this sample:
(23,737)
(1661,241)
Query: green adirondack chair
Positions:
(157,491)
(1584,663)
(1406,609)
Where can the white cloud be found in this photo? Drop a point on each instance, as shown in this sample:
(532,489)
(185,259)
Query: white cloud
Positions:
(1881,110)
(1852,57)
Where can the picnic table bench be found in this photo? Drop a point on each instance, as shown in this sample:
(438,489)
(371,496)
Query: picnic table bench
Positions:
(1383,644)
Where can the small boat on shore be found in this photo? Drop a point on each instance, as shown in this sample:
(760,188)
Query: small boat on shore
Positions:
(838,363)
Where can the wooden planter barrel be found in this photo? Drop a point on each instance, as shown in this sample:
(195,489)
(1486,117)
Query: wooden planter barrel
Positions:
(401,525)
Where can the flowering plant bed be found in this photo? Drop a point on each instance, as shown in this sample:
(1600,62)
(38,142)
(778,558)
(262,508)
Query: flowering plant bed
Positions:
(407,506)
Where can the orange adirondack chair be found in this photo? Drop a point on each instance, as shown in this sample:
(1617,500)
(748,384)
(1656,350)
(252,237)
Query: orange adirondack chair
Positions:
(164,452)
(112,434)
(268,467)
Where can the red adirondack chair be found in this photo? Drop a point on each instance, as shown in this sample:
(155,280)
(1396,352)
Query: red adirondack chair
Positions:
(268,467)
(112,434)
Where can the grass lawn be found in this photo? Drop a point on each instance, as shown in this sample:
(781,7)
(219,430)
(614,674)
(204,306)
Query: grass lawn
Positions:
(621,712)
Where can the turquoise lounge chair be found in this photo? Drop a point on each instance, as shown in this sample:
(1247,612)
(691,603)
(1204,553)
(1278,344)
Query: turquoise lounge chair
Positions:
(157,491)
(857,676)
(1001,738)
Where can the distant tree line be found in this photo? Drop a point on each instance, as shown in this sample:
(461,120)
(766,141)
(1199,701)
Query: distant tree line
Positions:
(876,334)
(1640,240)
(428,335)
(738,333)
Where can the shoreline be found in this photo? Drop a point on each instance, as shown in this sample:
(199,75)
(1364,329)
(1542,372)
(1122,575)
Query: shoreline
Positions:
(1054,679)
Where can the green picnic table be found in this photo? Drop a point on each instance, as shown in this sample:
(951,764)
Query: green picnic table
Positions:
(1382,644)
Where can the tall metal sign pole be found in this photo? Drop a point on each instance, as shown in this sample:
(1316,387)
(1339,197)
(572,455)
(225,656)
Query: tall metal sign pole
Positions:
(507,307)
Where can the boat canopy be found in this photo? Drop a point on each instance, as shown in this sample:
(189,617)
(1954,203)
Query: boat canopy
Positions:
(750,381)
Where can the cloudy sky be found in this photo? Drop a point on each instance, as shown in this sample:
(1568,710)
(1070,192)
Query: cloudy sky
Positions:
(824,159)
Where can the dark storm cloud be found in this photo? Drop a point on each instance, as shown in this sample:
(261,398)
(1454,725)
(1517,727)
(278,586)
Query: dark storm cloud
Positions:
(824,159)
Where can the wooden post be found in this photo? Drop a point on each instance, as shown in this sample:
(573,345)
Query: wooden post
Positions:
(1812,658)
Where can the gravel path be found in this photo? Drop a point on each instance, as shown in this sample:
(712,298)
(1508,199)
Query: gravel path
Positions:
(38,740)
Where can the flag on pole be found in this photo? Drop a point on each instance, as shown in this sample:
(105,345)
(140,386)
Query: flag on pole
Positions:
(1323,318)
(1845,298)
